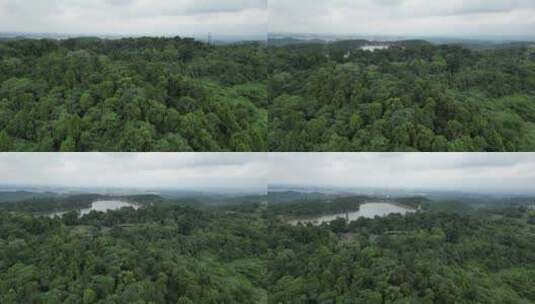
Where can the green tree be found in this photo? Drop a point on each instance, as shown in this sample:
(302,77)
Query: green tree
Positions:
(6,143)
(89,296)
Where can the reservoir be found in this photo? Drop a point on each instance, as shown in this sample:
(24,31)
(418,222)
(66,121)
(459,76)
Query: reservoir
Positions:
(366,210)
(102,206)
(373,48)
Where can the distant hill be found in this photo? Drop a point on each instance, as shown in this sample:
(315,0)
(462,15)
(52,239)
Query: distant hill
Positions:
(491,46)
(347,44)
(293,41)
(289,196)
(14,196)
(340,45)
(411,42)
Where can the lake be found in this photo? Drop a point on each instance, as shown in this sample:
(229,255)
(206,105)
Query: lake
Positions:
(373,48)
(102,206)
(366,210)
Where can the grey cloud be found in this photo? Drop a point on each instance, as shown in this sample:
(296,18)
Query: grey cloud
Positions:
(389,2)
(120,2)
(493,162)
(471,7)
(213,6)
(506,172)
(202,7)
(233,170)
(404,17)
(451,7)
(135,17)
(511,172)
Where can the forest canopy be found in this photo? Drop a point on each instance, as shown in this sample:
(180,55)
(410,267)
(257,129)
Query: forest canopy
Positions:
(167,252)
(411,96)
(178,94)
(134,94)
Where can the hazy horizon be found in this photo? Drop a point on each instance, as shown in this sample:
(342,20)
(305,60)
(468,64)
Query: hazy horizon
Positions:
(396,37)
(279,35)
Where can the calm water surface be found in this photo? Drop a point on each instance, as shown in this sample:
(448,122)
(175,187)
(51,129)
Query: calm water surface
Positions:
(373,48)
(102,206)
(367,210)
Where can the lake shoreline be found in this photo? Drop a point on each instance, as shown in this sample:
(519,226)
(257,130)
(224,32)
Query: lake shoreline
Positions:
(103,205)
(375,208)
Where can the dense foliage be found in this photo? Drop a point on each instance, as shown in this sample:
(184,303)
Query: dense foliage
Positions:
(246,254)
(419,258)
(142,94)
(152,255)
(413,96)
(174,94)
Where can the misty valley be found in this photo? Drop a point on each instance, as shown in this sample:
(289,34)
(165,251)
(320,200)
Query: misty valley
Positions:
(289,246)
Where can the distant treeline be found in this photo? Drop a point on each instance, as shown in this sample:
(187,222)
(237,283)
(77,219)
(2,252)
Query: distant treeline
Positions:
(300,209)
(71,202)
(289,196)
(11,196)
(294,204)
(50,204)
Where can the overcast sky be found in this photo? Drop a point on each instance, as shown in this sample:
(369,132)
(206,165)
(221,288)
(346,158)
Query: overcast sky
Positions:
(250,17)
(404,17)
(135,17)
(144,170)
(508,172)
